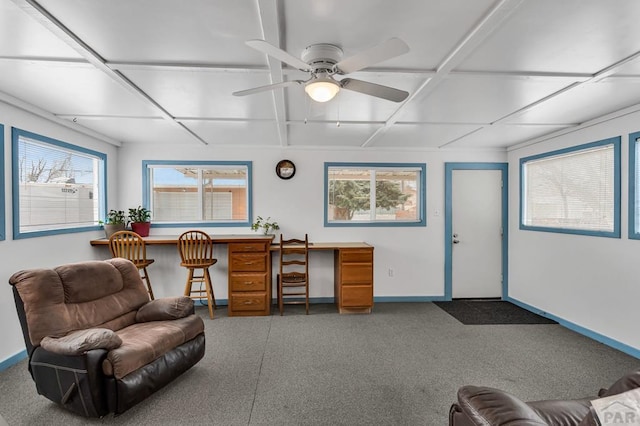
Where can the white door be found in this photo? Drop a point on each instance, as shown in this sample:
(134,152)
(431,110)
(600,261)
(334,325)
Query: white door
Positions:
(476,204)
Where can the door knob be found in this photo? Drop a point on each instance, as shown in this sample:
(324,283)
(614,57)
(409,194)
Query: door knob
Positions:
(455,241)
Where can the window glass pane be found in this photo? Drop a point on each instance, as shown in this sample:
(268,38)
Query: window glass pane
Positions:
(225,194)
(58,186)
(575,190)
(174,194)
(396,195)
(349,194)
(374,194)
(199,193)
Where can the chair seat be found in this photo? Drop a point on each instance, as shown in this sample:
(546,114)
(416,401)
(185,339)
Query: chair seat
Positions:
(143,263)
(201,264)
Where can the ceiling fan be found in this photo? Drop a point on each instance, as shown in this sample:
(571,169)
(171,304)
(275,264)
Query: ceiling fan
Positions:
(324,61)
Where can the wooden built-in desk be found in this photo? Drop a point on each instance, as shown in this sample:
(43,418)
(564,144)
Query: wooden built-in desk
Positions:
(249,277)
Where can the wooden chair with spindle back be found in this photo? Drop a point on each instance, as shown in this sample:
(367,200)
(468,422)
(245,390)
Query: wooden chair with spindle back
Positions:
(131,246)
(196,253)
(293,276)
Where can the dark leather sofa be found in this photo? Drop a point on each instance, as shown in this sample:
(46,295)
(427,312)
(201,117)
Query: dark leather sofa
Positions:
(96,343)
(481,405)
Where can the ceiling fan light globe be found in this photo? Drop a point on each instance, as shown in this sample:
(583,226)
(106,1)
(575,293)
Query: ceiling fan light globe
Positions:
(322,90)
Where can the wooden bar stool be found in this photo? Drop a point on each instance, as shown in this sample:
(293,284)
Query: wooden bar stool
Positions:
(131,246)
(293,277)
(196,252)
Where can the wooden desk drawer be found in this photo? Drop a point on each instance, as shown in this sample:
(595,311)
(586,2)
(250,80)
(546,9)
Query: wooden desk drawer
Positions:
(248,282)
(357,296)
(248,262)
(350,256)
(357,273)
(248,302)
(248,247)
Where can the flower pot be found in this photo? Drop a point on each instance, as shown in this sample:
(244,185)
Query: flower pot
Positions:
(141,228)
(112,228)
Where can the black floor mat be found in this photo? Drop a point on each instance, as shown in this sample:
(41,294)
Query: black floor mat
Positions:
(475,312)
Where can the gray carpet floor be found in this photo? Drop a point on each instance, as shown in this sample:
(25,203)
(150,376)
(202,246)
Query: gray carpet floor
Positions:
(401,365)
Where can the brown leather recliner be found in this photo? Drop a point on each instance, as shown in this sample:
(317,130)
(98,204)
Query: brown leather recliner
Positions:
(96,343)
(479,405)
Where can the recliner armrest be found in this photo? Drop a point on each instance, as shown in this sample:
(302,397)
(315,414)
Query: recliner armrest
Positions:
(167,308)
(490,406)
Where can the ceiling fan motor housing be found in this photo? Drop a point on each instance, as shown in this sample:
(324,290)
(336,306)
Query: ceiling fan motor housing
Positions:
(322,57)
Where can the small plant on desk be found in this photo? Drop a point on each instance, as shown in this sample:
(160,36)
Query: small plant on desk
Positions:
(265,224)
(114,222)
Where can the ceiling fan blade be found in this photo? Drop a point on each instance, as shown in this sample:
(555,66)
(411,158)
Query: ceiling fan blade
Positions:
(277,53)
(387,50)
(267,87)
(377,90)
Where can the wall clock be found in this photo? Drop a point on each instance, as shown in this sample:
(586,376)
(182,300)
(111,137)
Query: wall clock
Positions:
(285,169)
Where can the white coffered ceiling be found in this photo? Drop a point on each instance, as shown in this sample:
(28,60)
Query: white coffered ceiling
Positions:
(480,74)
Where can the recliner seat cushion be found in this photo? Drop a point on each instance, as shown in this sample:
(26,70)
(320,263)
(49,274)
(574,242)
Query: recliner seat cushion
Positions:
(144,342)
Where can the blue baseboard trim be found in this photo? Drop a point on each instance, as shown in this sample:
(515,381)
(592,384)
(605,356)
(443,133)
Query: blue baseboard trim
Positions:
(629,350)
(399,299)
(12,360)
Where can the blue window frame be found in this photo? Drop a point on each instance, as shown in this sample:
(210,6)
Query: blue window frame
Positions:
(574,190)
(3,223)
(634,186)
(198,193)
(375,194)
(58,188)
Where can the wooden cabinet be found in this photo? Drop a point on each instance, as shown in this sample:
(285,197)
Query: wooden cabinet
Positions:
(249,278)
(354,279)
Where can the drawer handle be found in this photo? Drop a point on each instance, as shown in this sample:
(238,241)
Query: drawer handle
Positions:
(249,263)
(248,302)
(248,282)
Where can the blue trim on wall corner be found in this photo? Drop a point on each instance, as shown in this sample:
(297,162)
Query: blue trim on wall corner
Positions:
(579,329)
(634,233)
(3,223)
(13,360)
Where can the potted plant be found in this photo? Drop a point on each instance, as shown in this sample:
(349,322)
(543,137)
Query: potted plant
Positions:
(140,219)
(114,222)
(265,225)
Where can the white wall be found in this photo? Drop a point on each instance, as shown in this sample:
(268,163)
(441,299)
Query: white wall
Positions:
(415,254)
(591,282)
(44,251)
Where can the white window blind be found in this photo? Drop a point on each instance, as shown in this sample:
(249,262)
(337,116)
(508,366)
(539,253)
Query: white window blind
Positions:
(573,190)
(58,186)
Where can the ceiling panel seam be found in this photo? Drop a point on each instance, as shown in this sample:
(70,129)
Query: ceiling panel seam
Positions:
(35,10)
(494,17)
(269,13)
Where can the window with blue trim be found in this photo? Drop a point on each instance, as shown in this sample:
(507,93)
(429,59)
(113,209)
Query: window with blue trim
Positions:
(574,190)
(2,204)
(57,187)
(375,194)
(634,186)
(210,193)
